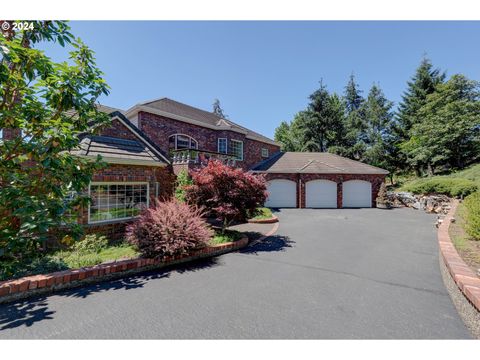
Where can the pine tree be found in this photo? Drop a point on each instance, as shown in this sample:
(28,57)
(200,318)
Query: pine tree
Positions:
(424,82)
(449,133)
(217,109)
(379,120)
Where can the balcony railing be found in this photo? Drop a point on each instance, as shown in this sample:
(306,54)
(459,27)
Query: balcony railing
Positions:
(195,156)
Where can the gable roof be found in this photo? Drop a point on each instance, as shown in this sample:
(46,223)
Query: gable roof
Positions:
(315,163)
(183,112)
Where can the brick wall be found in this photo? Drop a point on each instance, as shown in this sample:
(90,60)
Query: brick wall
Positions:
(302,179)
(125,173)
(160,128)
(118,130)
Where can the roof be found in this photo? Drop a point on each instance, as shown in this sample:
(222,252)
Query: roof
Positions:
(102,108)
(117,150)
(315,163)
(202,117)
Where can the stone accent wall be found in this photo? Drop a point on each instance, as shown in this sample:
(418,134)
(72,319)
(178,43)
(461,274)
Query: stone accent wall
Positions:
(160,128)
(302,179)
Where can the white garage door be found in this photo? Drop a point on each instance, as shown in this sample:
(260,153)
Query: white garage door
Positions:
(357,193)
(321,194)
(281,193)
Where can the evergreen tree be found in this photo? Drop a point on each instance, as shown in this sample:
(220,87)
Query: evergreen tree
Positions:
(449,133)
(217,109)
(379,120)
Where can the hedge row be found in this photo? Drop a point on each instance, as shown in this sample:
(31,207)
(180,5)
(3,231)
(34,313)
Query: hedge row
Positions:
(455,187)
(472,204)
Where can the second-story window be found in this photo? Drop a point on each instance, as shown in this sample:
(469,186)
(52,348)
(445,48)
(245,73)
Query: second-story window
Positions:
(264,152)
(236,149)
(222,146)
(180,141)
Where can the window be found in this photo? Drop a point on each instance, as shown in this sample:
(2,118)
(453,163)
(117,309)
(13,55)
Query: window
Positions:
(222,146)
(264,152)
(112,201)
(236,149)
(179,141)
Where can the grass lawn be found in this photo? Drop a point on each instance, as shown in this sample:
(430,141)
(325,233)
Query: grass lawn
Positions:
(468,249)
(228,236)
(263,213)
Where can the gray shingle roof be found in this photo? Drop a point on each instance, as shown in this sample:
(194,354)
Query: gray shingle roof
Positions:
(315,163)
(115,148)
(190,112)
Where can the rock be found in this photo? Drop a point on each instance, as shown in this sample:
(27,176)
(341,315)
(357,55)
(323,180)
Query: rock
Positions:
(452,220)
(417,205)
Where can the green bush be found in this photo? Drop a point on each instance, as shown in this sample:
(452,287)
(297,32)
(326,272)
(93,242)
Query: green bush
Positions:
(472,204)
(183,181)
(91,243)
(442,185)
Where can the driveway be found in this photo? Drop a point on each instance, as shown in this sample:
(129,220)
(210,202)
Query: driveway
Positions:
(365,273)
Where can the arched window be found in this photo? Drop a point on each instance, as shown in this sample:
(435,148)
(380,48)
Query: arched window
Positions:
(180,141)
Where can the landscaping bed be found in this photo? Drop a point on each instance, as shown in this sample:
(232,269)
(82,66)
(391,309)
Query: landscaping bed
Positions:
(264,216)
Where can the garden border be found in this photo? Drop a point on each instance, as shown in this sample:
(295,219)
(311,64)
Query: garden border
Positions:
(462,275)
(11,290)
(271,220)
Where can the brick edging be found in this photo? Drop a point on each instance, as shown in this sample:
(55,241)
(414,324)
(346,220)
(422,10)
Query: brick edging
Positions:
(464,277)
(40,284)
(271,220)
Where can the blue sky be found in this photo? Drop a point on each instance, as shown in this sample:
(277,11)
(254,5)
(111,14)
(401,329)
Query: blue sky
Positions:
(263,72)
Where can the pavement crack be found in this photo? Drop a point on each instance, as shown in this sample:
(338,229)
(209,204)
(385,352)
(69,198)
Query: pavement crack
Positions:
(318,268)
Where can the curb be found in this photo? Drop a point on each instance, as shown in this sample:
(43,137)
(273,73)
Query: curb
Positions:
(271,220)
(40,284)
(270,233)
(462,275)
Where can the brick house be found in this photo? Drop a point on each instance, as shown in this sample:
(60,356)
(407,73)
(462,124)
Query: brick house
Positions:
(148,144)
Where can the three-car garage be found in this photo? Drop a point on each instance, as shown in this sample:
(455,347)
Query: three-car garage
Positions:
(320,180)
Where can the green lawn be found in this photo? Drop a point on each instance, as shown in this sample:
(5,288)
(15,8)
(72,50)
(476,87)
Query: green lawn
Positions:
(263,213)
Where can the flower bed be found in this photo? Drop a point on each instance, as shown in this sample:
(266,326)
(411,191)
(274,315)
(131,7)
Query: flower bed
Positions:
(38,284)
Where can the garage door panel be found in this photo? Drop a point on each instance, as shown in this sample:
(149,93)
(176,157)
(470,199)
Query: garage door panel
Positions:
(321,194)
(281,193)
(357,194)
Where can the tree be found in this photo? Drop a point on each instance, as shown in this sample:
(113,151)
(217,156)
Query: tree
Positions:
(48,106)
(424,82)
(226,192)
(217,109)
(322,123)
(449,133)
(377,110)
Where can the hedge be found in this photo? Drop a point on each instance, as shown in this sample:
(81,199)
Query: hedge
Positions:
(442,185)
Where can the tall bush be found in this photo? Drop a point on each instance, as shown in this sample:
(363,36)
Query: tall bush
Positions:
(169,228)
(227,193)
(183,181)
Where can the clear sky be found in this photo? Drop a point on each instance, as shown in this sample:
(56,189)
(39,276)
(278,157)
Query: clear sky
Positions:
(263,72)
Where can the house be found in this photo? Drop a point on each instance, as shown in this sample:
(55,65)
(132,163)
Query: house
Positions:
(148,144)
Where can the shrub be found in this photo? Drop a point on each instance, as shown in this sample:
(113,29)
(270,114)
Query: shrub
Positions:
(91,243)
(472,204)
(442,185)
(228,193)
(183,181)
(169,228)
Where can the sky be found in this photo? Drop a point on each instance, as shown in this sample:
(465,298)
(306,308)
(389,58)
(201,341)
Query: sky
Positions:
(263,72)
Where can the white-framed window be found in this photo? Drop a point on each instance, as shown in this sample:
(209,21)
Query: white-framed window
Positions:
(222,146)
(116,201)
(181,141)
(264,152)
(236,149)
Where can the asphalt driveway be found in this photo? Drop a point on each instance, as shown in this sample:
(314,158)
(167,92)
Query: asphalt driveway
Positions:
(347,273)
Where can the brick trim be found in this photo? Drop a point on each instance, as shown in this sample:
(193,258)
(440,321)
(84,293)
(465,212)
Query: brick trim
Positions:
(271,220)
(37,284)
(464,277)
